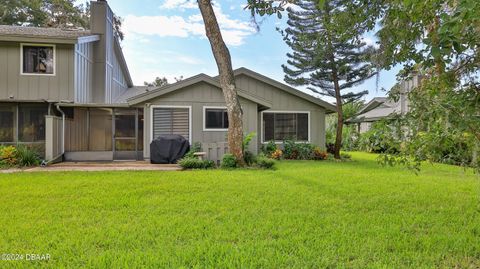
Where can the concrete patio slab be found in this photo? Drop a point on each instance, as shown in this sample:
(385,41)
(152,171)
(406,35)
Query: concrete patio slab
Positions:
(100,166)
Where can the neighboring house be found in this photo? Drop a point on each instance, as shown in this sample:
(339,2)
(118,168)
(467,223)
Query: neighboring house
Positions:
(69,92)
(382,107)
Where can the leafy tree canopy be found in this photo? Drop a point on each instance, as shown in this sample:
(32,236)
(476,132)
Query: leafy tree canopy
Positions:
(44,13)
(50,13)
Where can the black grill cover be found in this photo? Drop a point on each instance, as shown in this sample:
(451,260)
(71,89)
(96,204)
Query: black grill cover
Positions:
(168,148)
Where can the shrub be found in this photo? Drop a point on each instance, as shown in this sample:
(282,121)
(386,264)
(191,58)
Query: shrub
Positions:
(298,151)
(248,156)
(8,156)
(331,148)
(305,151)
(264,162)
(247,139)
(382,137)
(319,154)
(290,150)
(196,147)
(277,154)
(345,156)
(269,148)
(229,161)
(27,156)
(195,163)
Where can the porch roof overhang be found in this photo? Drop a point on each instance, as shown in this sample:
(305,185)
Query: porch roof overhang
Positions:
(145,97)
(94,105)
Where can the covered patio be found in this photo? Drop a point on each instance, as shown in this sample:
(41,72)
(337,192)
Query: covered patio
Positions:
(99,166)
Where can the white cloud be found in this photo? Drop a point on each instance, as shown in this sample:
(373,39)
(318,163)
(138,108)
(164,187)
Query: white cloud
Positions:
(181,4)
(370,42)
(146,64)
(160,25)
(234,31)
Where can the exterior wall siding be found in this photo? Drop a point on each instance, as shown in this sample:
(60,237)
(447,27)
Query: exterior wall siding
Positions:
(59,87)
(76,131)
(197,96)
(118,81)
(283,101)
(83,72)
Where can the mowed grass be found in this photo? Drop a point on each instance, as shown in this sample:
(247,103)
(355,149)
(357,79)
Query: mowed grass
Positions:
(304,214)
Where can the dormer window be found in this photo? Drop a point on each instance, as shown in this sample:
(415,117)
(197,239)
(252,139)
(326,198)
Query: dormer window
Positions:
(37,59)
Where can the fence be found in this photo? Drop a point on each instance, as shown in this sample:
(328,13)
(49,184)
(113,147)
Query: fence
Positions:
(215,151)
(53,138)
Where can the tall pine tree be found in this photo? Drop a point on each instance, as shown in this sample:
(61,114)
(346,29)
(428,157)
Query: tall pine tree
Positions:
(328,55)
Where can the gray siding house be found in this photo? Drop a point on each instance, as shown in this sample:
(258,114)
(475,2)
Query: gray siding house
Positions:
(69,93)
(383,107)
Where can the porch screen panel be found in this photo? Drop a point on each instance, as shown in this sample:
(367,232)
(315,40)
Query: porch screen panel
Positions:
(7,123)
(171,121)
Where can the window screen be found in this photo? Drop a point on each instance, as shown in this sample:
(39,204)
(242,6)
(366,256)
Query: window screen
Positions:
(31,122)
(216,118)
(285,126)
(38,60)
(7,117)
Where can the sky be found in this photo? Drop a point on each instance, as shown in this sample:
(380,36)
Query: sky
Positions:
(166,38)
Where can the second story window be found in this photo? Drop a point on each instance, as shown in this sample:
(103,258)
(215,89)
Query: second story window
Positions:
(38,59)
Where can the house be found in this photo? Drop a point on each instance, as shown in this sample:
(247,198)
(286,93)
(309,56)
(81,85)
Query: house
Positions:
(384,107)
(69,93)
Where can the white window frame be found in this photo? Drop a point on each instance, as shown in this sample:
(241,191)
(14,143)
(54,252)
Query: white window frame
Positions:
(38,45)
(262,137)
(172,106)
(205,129)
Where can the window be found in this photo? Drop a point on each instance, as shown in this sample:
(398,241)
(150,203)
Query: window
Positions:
(215,118)
(171,120)
(280,126)
(7,119)
(31,122)
(38,59)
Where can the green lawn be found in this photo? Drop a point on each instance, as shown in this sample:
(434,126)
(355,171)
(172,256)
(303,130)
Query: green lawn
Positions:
(305,214)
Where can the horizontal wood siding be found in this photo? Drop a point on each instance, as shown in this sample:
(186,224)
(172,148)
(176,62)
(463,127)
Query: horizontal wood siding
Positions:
(59,87)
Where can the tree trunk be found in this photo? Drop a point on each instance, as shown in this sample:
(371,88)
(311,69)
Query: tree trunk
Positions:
(336,85)
(339,134)
(227,79)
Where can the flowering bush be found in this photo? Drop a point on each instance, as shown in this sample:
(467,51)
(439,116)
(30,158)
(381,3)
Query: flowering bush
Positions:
(8,156)
(277,154)
(319,154)
(11,156)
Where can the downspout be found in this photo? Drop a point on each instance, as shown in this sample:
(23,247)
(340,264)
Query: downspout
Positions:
(63,127)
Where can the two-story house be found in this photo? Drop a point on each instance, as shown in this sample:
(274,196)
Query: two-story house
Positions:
(380,108)
(69,93)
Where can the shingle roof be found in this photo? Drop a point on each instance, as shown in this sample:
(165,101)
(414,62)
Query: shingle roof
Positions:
(42,32)
(132,92)
(156,92)
(383,110)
